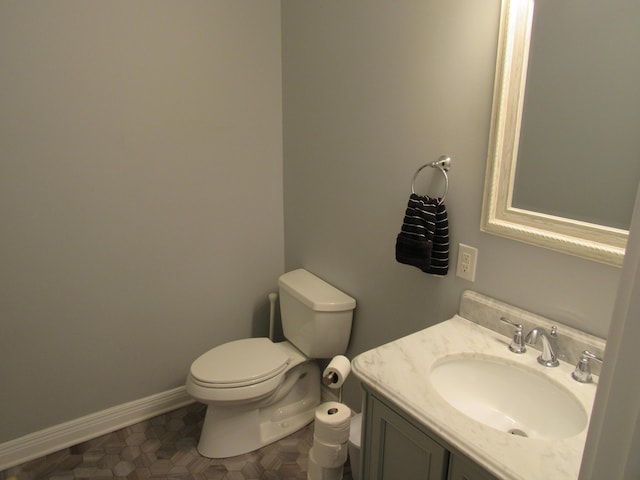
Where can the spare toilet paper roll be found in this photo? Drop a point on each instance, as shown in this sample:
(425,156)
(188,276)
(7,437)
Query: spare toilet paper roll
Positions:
(337,371)
(314,471)
(317,472)
(329,455)
(332,423)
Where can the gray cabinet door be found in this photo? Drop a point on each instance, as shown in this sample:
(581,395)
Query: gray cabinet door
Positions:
(463,469)
(397,449)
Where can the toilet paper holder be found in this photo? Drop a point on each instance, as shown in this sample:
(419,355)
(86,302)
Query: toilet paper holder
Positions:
(336,373)
(330,378)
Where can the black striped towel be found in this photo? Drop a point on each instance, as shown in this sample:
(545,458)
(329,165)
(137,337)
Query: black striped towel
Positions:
(423,240)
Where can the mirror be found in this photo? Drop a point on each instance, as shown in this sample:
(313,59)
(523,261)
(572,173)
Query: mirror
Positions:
(550,139)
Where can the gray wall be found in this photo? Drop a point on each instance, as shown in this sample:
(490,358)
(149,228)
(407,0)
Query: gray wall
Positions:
(140,196)
(141,183)
(372,90)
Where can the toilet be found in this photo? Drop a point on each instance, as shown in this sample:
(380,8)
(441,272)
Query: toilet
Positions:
(258,391)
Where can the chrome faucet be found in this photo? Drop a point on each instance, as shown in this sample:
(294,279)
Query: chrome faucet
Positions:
(582,372)
(548,356)
(517,343)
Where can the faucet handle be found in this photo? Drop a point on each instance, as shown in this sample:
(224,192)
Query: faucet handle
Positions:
(582,372)
(517,343)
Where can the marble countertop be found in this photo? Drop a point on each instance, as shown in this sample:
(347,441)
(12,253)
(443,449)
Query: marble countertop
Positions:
(399,372)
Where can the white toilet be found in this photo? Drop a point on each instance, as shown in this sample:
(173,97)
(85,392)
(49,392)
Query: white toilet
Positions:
(258,391)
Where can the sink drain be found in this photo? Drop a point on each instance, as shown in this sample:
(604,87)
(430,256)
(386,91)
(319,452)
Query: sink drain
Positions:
(518,432)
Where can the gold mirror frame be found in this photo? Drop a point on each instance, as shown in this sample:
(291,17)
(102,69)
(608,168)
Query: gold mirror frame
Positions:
(587,240)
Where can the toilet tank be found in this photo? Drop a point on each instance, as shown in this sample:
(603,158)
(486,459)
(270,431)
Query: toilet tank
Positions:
(316,316)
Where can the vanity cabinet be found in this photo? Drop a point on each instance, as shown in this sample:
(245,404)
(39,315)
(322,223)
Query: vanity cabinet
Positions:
(461,468)
(393,447)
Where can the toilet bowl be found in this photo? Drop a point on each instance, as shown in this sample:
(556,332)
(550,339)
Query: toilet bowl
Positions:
(258,391)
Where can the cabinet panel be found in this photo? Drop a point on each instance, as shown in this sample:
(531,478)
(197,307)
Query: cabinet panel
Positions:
(397,449)
(463,469)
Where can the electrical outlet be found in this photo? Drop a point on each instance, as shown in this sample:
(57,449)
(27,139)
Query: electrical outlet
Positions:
(467,259)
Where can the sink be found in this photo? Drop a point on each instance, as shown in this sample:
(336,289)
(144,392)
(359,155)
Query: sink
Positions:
(508,396)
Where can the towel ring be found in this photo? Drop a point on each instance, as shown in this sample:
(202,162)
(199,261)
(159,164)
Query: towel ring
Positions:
(443,164)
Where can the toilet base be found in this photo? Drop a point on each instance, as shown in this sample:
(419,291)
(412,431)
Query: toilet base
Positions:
(237,429)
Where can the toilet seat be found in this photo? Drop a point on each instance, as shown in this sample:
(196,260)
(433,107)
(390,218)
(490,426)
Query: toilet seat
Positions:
(239,364)
(239,371)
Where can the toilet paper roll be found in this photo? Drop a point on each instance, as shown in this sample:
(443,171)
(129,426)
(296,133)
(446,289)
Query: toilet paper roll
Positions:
(329,455)
(314,471)
(332,423)
(337,371)
(317,472)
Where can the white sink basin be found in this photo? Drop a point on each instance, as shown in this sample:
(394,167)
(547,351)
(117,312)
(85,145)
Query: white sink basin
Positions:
(508,396)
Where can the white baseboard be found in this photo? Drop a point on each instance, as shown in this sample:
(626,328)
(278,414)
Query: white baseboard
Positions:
(52,439)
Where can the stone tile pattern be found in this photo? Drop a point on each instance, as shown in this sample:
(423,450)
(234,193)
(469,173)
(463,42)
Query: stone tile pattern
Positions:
(164,447)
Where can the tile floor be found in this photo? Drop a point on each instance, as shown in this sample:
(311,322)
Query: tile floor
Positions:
(164,447)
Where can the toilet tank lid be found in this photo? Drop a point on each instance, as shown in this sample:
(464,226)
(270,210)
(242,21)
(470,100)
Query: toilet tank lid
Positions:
(315,292)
